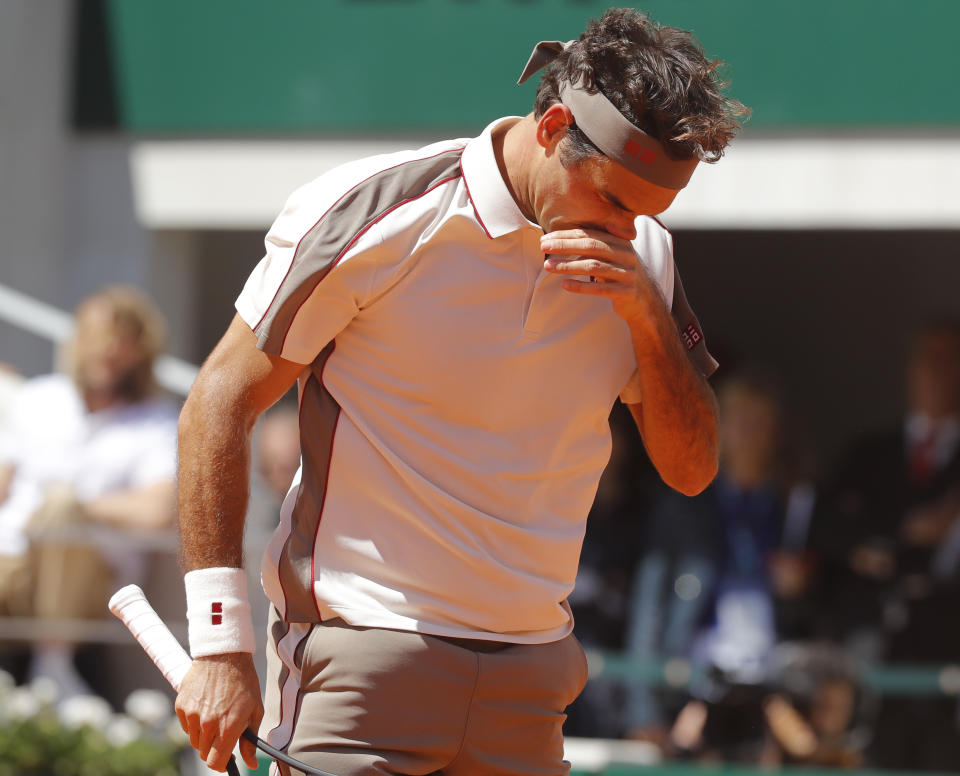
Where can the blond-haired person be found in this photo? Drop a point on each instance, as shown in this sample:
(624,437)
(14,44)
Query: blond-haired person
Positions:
(85,456)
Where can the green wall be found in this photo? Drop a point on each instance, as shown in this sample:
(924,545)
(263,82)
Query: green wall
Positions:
(338,66)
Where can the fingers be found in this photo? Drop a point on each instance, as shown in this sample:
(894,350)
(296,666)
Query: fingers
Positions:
(219,754)
(601,256)
(595,288)
(590,242)
(218,699)
(216,750)
(596,268)
(216,737)
(247,750)
(207,738)
(219,738)
(208,733)
(249,753)
(575,245)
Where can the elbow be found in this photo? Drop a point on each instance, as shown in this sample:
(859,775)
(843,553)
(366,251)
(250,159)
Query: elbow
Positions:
(694,473)
(213,402)
(694,482)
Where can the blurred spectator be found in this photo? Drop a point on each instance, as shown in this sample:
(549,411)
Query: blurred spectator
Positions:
(10,381)
(276,457)
(715,566)
(278,448)
(817,712)
(810,709)
(888,529)
(83,457)
(884,525)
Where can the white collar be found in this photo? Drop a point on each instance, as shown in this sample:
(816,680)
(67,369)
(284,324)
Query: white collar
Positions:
(496,209)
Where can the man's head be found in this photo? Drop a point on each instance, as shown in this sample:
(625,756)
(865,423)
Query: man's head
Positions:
(657,77)
(119,332)
(751,420)
(659,80)
(278,447)
(933,370)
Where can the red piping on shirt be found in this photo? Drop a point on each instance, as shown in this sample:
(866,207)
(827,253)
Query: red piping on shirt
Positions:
(350,244)
(472,203)
(325,212)
(326,490)
(662,225)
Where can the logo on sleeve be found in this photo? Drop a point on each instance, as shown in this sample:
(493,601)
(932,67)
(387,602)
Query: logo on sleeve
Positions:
(692,336)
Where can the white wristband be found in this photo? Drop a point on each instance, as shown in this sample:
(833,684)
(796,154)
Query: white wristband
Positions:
(218,612)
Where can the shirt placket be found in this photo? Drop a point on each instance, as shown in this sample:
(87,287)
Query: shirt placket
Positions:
(537,280)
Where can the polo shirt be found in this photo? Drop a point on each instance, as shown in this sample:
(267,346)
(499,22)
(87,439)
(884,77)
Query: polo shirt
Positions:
(454,410)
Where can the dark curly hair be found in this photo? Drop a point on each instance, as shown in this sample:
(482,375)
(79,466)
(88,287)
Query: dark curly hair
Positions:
(658,77)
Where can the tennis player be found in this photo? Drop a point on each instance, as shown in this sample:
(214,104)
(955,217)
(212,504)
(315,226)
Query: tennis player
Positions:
(460,320)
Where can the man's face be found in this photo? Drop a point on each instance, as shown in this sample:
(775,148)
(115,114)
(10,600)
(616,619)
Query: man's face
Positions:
(106,353)
(595,193)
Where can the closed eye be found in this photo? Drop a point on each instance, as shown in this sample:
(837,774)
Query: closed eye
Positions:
(615,202)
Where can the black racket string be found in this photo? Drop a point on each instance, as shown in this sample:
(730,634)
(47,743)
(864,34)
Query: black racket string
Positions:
(234,770)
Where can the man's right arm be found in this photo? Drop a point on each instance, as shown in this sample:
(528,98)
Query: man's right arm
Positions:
(220,695)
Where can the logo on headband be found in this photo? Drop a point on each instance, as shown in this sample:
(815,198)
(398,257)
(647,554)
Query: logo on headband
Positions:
(644,155)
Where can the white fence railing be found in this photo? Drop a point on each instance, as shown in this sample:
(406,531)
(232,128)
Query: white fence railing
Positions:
(49,322)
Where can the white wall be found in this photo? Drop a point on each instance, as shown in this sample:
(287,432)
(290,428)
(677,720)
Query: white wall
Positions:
(67,221)
(34,158)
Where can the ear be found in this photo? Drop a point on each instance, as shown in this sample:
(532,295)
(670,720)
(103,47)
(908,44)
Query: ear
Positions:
(552,125)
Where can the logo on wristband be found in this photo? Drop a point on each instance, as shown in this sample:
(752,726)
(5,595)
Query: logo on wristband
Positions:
(216,613)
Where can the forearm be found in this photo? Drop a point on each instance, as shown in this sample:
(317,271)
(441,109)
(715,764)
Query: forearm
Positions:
(149,508)
(678,412)
(214,480)
(677,415)
(236,384)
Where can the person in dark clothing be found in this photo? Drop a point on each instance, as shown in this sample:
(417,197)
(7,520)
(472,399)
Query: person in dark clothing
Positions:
(888,534)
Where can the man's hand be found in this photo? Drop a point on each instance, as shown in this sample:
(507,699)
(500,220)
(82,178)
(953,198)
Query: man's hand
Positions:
(613,265)
(219,698)
(677,416)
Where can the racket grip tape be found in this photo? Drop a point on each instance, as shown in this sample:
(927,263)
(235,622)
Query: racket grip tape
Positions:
(130,605)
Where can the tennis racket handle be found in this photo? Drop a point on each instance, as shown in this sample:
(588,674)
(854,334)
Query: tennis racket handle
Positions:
(131,606)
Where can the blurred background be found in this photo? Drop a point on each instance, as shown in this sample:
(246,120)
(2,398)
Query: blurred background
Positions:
(152,143)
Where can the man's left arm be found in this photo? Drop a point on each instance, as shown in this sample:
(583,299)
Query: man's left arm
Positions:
(678,415)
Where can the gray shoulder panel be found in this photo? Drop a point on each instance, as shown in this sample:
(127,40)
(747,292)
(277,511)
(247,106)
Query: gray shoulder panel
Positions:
(332,236)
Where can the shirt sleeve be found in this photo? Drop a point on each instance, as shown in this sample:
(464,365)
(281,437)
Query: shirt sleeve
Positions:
(315,275)
(654,246)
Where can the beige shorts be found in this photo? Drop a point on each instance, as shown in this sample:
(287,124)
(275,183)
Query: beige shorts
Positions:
(365,701)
